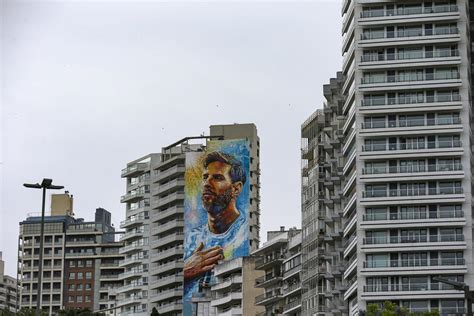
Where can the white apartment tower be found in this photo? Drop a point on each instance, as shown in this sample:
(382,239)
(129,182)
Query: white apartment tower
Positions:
(154,223)
(407,154)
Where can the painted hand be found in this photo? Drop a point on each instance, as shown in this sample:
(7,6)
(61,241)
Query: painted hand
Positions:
(202,261)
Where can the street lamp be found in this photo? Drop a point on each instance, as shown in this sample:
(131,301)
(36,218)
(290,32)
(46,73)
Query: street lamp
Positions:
(46,184)
(460,287)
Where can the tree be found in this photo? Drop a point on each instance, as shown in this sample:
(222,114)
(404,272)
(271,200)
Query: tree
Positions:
(154,312)
(392,309)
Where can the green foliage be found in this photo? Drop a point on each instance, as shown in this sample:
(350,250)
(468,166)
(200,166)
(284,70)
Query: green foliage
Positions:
(154,312)
(392,309)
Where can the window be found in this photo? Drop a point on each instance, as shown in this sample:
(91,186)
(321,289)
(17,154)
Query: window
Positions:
(88,263)
(88,286)
(70,299)
(72,275)
(80,263)
(79,299)
(87,298)
(80,275)
(71,287)
(88,275)
(72,264)
(79,287)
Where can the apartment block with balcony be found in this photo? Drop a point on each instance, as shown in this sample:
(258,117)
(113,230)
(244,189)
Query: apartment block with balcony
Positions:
(272,255)
(79,260)
(326,177)
(234,291)
(407,146)
(154,263)
(133,295)
(292,276)
(8,289)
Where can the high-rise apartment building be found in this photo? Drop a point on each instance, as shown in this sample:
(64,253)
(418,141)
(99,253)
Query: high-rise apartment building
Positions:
(8,289)
(405,199)
(322,206)
(280,259)
(80,262)
(154,223)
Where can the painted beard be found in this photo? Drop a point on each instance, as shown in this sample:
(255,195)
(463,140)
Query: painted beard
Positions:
(219,203)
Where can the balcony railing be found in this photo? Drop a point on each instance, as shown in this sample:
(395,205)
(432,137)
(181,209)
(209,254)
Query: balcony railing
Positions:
(414,263)
(412,192)
(413,146)
(292,305)
(412,169)
(266,278)
(413,215)
(268,295)
(409,11)
(411,100)
(410,78)
(408,33)
(411,123)
(378,240)
(407,287)
(409,55)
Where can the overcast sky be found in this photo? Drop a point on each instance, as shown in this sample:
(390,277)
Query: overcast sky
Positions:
(88,86)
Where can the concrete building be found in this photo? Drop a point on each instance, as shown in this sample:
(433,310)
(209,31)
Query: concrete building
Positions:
(233,291)
(323,184)
(281,277)
(8,289)
(405,199)
(80,262)
(154,223)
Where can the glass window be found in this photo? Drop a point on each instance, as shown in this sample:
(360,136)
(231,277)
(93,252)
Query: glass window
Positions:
(88,275)
(79,299)
(89,263)
(72,275)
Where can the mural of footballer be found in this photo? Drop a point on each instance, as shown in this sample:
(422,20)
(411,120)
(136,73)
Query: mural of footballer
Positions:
(225,233)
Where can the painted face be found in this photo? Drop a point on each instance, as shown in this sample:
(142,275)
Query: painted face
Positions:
(217,187)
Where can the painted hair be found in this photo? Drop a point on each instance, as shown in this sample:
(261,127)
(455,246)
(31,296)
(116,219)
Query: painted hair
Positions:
(237,173)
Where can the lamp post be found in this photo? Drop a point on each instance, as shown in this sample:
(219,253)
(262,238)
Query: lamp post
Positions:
(460,287)
(46,184)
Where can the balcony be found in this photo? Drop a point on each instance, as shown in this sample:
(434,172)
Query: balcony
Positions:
(168,186)
(411,100)
(130,300)
(409,78)
(385,170)
(268,262)
(410,287)
(173,171)
(267,280)
(408,56)
(158,296)
(292,289)
(380,264)
(174,265)
(173,252)
(132,235)
(411,34)
(412,146)
(132,274)
(177,196)
(169,212)
(227,298)
(131,248)
(171,225)
(449,8)
(132,196)
(167,308)
(177,237)
(268,297)
(382,240)
(411,123)
(227,282)
(131,287)
(166,281)
(410,216)
(412,192)
(139,220)
(134,169)
(292,306)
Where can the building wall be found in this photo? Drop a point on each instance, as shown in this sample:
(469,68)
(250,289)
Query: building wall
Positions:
(250,292)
